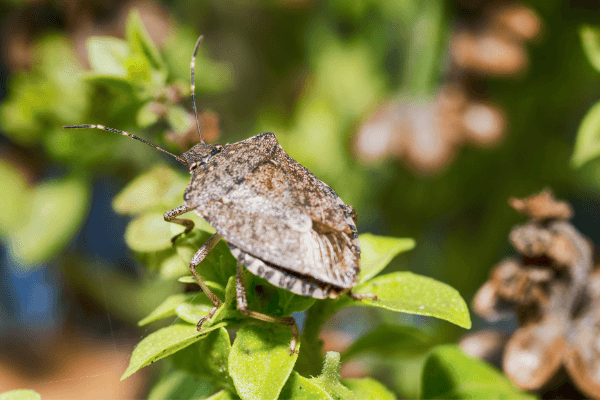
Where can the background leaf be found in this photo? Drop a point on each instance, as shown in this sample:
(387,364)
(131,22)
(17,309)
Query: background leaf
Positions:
(107,55)
(149,233)
(54,215)
(451,374)
(157,189)
(390,341)
(590,39)
(587,144)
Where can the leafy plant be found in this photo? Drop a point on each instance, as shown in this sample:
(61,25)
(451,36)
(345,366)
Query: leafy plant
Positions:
(258,363)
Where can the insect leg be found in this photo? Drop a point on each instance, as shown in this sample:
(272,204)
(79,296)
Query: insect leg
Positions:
(242,306)
(188,223)
(197,259)
(359,297)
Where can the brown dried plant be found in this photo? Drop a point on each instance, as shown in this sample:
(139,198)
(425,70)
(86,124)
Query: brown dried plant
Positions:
(554,290)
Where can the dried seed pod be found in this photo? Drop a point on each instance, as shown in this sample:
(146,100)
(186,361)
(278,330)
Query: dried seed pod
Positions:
(555,293)
(534,354)
(487,345)
(542,206)
(483,123)
(487,53)
(520,21)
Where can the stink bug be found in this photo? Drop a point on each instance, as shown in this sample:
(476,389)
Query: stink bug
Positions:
(280,221)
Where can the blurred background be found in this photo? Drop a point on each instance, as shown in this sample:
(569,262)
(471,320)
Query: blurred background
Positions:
(425,115)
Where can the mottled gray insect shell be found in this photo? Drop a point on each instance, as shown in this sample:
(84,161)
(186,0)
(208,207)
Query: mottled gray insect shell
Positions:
(280,221)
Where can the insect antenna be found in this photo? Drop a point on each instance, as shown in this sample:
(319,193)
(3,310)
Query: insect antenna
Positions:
(105,128)
(193,85)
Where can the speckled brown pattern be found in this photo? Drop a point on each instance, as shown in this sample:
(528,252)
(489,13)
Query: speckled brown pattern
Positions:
(276,212)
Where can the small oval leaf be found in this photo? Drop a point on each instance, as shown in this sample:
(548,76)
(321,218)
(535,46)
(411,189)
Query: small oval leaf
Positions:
(20,394)
(260,361)
(194,310)
(165,342)
(148,233)
(587,143)
(155,189)
(416,294)
(590,39)
(107,55)
(378,251)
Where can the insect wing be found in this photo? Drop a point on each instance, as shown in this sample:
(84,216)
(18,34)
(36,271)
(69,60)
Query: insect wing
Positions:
(271,218)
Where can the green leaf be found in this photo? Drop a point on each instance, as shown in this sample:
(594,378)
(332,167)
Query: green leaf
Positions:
(416,294)
(54,215)
(180,120)
(140,41)
(154,190)
(378,251)
(260,361)
(119,83)
(218,265)
(216,76)
(390,341)
(107,55)
(223,395)
(20,394)
(194,310)
(167,308)
(587,143)
(147,115)
(590,39)
(14,197)
(369,389)
(165,342)
(451,374)
(149,232)
(208,358)
(179,385)
(300,388)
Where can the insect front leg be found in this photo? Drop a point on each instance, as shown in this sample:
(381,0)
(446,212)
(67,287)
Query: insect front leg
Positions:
(197,259)
(170,216)
(242,306)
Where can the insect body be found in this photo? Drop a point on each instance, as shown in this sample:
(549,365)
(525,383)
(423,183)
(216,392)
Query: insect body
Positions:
(280,221)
